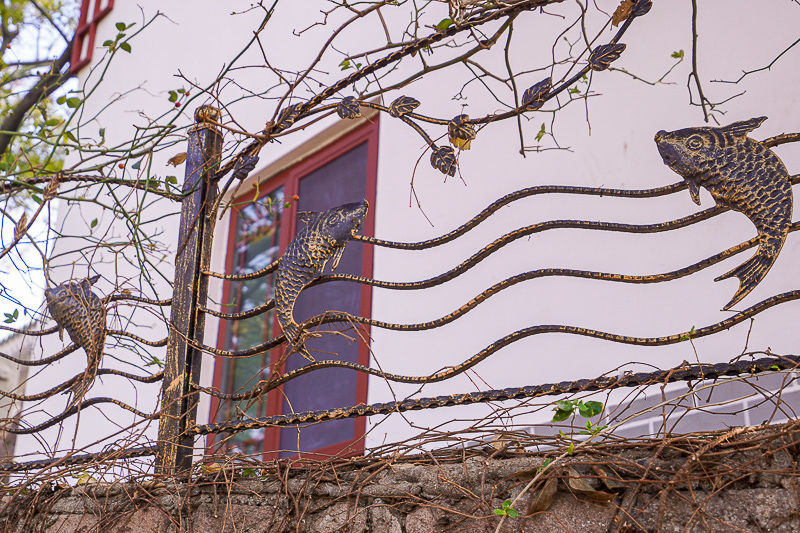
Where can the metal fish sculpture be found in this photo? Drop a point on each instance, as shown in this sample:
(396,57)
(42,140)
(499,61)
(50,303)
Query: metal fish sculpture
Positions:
(324,238)
(742,174)
(77,309)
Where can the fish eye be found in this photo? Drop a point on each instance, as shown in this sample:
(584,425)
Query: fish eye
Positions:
(695,142)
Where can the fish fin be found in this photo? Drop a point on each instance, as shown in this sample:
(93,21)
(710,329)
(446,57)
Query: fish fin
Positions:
(307,216)
(750,274)
(743,127)
(337,256)
(694,190)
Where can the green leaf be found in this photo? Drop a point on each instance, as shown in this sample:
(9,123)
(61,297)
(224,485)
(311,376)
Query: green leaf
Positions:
(108,44)
(561,415)
(121,26)
(512,513)
(136,165)
(37,199)
(345,64)
(589,409)
(571,449)
(565,405)
(102,132)
(53,122)
(678,54)
(444,24)
(774,367)
(70,136)
(541,133)
(93,224)
(499,512)
(173,96)
(61,99)
(74,102)
(125,46)
(249,472)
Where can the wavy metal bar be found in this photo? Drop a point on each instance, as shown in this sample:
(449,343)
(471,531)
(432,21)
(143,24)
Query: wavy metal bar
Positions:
(532,191)
(552,224)
(162,342)
(44,361)
(537,330)
(338,317)
(508,238)
(140,299)
(263,308)
(30,333)
(143,451)
(67,384)
(269,269)
(681,373)
(505,341)
(73,410)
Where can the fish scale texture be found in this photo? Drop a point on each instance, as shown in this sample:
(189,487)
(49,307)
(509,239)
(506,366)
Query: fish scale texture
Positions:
(80,311)
(742,174)
(323,238)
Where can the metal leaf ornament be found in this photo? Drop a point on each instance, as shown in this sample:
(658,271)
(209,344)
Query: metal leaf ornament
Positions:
(244,166)
(533,98)
(642,8)
(287,117)
(403,106)
(349,108)
(80,311)
(602,56)
(444,160)
(461,132)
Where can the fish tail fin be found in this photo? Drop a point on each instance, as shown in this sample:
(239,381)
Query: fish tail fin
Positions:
(292,332)
(750,274)
(80,388)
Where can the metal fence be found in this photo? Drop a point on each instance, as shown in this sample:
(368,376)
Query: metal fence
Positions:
(181,389)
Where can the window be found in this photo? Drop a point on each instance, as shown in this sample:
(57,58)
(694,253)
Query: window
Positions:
(261,228)
(92,12)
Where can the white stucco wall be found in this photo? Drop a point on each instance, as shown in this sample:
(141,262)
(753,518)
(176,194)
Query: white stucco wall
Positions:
(610,144)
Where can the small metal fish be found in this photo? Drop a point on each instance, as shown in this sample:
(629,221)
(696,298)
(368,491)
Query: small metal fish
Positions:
(742,174)
(324,238)
(77,309)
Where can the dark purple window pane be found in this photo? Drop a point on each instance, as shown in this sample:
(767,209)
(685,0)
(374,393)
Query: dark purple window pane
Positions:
(341,181)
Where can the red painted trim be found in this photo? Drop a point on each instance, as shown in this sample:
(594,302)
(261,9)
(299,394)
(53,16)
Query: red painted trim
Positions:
(87,28)
(290,180)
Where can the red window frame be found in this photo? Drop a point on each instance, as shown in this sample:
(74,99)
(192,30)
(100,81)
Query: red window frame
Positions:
(289,179)
(87,27)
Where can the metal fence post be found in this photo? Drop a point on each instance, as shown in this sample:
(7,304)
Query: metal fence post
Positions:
(182,365)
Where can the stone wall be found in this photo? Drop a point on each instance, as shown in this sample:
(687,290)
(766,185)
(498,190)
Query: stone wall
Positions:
(740,480)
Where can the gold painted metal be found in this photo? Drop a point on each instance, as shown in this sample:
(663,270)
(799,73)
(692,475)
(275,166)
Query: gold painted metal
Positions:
(323,239)
(741,174)
(187,322)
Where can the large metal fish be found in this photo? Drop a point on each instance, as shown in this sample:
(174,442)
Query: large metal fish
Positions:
(742,174)
(77,309)
(324,238)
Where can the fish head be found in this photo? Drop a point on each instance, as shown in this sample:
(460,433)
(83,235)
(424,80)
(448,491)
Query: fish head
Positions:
(343,222)
(690,151)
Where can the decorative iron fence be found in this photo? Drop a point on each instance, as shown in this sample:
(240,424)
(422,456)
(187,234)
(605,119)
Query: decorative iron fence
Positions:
(765,197)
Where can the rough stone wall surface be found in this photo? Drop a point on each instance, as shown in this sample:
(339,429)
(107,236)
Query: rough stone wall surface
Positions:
(723,483)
